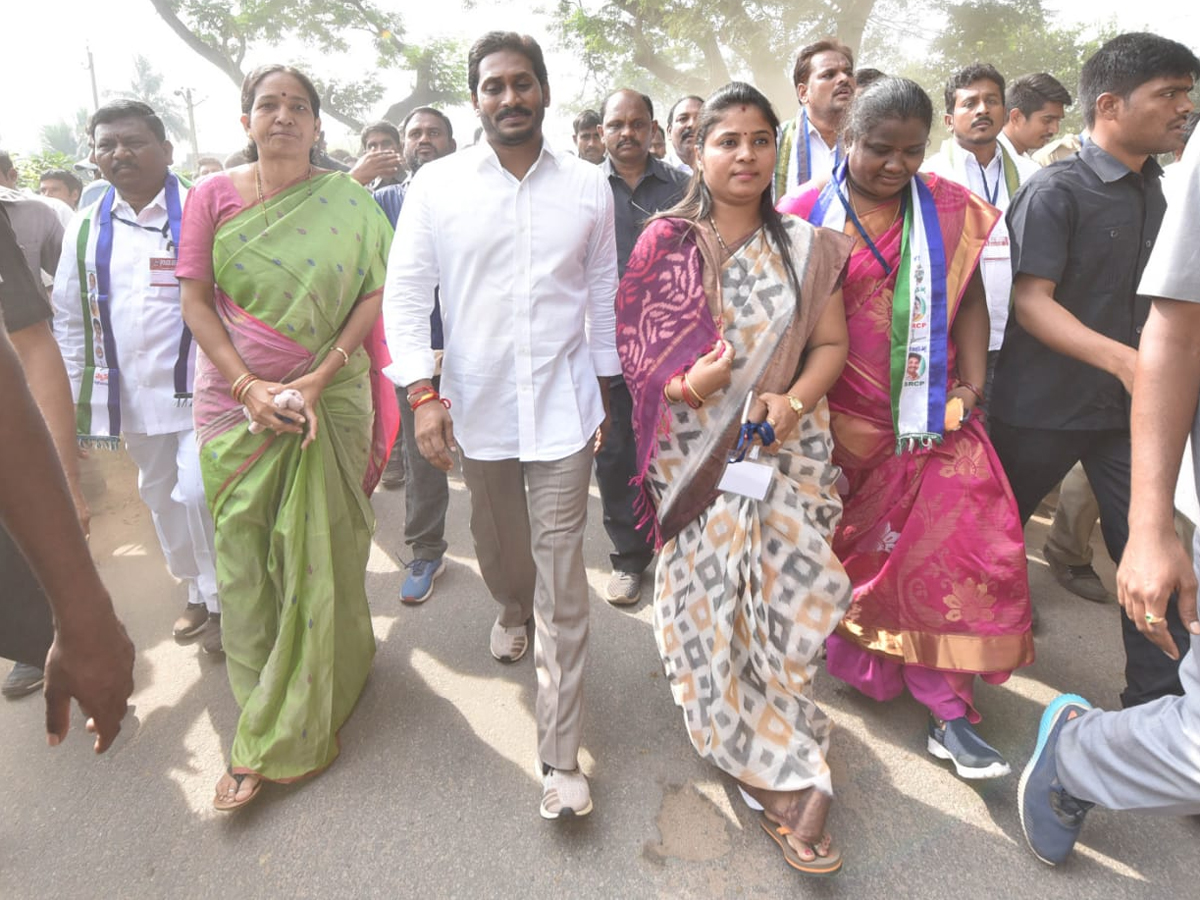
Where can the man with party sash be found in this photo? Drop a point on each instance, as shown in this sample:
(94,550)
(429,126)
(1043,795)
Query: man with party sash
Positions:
(810,144)
(128,354)
(930,535)
(974,157)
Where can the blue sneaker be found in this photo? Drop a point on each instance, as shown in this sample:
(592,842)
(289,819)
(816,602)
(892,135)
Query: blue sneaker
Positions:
(419,583)
(1050,817)
(957,741)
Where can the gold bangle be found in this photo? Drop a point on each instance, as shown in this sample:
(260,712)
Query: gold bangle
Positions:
(695,393)
(345,356)
(238,383)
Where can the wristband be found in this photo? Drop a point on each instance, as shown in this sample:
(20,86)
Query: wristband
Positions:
(430,397)
(970,387)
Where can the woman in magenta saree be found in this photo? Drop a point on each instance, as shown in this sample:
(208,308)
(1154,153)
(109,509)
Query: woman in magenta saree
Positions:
(282,269)
(930,535)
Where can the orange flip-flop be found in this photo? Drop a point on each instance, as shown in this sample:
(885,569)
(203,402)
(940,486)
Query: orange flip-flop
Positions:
(818,865)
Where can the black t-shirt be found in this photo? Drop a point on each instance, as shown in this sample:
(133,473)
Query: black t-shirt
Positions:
(20,300)
(1088,224)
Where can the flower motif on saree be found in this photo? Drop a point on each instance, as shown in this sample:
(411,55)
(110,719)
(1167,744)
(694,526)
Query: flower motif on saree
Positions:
(970,601)
(967,461)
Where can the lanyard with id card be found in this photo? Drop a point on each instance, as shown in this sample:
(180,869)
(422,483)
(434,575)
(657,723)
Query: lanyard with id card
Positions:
(743,476)
(162,269)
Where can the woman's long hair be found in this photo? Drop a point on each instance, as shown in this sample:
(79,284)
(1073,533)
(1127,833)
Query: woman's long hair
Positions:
(697,204)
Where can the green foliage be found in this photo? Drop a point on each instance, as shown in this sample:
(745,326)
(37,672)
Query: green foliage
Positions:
(32,165)
(224,32)
(147,86)
(670,48)
(1016,36)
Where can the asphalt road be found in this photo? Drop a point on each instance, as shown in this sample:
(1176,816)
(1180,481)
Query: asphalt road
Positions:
(435,793)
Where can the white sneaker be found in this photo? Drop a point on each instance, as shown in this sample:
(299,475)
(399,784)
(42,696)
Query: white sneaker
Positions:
(508,644)
(565,794)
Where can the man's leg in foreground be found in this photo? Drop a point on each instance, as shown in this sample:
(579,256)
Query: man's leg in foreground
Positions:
(1145,758)
(500,530)
(558,496)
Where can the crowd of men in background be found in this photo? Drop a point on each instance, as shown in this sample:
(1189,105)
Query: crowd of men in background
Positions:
(1001,133)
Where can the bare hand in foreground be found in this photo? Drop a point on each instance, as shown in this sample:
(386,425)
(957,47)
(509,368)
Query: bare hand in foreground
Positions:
(1154,566)
(91,660)
(434,431)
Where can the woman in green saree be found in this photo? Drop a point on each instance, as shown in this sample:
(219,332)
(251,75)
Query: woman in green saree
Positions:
(282,269)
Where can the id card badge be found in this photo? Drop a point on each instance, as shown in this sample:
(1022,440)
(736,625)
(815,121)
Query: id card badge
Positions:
(162,269)
(748,478)
(997,249)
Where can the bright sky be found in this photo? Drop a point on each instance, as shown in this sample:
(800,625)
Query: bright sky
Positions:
(43,65)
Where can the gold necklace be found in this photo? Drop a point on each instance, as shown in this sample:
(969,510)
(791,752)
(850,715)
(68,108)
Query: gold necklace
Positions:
(258,190)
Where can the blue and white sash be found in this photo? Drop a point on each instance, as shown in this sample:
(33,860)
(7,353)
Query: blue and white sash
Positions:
(98,408)
(919,338)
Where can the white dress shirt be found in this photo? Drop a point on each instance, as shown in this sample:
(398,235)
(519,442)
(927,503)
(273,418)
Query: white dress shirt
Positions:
(821,156)
(528,280)
(960,165)
(146,319)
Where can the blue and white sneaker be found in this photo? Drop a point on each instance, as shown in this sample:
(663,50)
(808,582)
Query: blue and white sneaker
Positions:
(973,757)
(419,583)
(1050,817)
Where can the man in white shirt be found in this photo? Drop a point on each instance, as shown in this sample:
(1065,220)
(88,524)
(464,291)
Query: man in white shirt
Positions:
(810,144)
(519,239)
(973,157)
(128,354)
(1035,106)
(681,129)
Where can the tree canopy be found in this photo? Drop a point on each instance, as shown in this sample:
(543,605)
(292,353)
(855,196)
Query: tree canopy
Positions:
(694,47)
(225,33)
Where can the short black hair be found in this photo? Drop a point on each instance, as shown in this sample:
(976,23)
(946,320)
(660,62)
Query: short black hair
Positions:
(67,178)
(968,76)
(1127,62)
(204,161)
(494,42)
(803,67)
(1029,93)
(384,126)
(126,109)
(675,106)
(430,111)
(645,99)
(588,119)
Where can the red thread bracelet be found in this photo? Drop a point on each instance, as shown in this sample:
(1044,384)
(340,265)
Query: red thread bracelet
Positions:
(431,397)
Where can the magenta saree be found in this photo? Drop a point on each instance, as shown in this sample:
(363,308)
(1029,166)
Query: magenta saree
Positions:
(930,539)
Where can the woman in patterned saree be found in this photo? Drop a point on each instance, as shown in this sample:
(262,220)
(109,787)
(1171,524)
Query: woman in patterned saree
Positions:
(930,535)
(724,297)
(282,270)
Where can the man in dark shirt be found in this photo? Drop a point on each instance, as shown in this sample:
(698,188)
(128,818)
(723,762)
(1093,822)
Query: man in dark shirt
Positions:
(428,135)
(642,185)
(1082,230)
